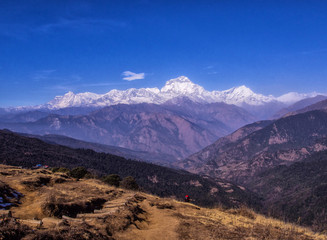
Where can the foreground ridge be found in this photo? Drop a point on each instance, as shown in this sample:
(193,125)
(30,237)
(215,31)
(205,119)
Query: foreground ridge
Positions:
(55,206)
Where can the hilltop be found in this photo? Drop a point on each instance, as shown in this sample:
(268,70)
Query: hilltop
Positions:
(56,206)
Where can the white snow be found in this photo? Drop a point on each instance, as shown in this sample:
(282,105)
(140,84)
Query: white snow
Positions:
(177,87)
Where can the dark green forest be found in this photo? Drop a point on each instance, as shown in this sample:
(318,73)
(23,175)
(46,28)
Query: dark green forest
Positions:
(296,193)
(164,182)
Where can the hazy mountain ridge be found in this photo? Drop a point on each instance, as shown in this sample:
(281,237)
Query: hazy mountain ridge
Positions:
(215,114)
(322,105)
(263,145)
(299,105)
(282,142)
(196,161)
(173,129)
(160,159)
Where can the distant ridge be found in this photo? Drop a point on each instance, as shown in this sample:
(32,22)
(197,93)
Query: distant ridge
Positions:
(160,159)
(299,105)
(170,129)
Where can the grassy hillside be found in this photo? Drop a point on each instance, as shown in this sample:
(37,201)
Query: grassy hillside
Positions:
(55,206)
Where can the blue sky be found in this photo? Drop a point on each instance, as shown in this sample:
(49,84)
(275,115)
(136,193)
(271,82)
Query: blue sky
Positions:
(50,47)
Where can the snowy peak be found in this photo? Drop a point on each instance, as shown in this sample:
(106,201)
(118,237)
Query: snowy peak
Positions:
(241,90)
(181,79)
(244,95)
(181,86)
(240,93)
(73,100)
(174,88)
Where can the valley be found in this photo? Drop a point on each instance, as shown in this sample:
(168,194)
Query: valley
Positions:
(221,154)
(186,120)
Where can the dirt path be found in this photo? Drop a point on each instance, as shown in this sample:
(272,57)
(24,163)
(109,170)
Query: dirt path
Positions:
(159,225)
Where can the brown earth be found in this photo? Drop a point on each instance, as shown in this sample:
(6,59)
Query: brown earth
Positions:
(55,206)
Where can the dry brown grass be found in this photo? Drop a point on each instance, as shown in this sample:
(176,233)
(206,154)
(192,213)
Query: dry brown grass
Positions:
(238,224)
(124,214)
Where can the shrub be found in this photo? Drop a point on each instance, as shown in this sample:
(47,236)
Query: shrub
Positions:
(60,169)
(10,229)
(78,172)
(129,183)
(90,176)
(112,179)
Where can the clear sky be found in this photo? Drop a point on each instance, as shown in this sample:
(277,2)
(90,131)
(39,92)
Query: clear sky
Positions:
(50,47)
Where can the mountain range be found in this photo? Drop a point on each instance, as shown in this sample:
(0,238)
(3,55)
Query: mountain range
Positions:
(299,105)
(178,128)
(266,144)
(263,145)
(161,159)
(177,87)
(177,120)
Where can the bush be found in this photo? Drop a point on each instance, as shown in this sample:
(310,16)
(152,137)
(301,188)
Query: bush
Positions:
(112,179)
(90,176)
(129,183)
(78,172)
(10,229)
(60,169)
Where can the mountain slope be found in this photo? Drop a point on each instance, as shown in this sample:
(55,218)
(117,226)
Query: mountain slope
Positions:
(27,152)
(210,115)
(283,160)
(166,129)
(30,116)
(322,105)
(160,159)
(299,105)
(297,192)
(89,209)
(281,142)
(194,162)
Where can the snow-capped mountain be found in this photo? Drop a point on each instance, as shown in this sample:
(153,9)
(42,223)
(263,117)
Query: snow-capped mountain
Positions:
(177,87)
(243,95)
(72,100)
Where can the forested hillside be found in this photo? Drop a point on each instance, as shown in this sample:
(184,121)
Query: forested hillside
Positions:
(27,152)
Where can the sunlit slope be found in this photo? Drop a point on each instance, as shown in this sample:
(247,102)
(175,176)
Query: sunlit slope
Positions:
(55,206)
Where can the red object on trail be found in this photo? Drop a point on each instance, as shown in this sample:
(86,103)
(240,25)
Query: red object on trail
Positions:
(187,198)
